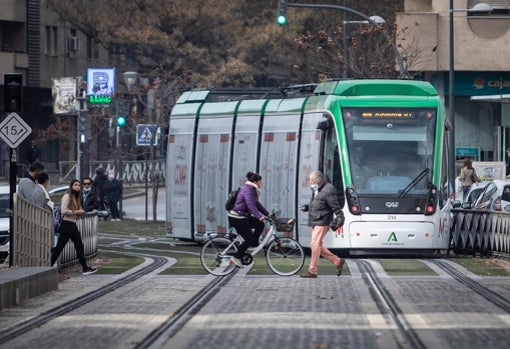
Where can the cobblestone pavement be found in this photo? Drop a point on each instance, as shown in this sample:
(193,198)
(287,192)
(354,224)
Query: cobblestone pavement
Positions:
(269,312)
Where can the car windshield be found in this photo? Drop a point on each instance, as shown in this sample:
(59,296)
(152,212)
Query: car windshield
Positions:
(4,205)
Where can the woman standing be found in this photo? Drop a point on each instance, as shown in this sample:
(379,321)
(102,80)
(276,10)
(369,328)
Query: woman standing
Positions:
(247,214)
(71,209)
(467,177)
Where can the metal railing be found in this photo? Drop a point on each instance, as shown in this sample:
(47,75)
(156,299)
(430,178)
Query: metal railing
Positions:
(132,171)
(34,237)
(481,232)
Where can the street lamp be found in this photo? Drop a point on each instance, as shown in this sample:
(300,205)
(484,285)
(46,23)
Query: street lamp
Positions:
(398,57)
(481,7)
(375,20)
(129,79)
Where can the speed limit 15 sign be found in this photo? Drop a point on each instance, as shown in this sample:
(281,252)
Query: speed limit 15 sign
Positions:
(14,130)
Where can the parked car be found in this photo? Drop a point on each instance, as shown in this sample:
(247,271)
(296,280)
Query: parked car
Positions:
(4,222)
(494,197)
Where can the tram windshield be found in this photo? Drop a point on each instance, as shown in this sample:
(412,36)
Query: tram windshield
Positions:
(390,149)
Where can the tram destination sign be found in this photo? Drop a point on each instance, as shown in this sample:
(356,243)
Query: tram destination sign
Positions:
(14,130)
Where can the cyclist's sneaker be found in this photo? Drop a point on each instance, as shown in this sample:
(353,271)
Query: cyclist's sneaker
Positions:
(225,262)
(89,270)
(237,262)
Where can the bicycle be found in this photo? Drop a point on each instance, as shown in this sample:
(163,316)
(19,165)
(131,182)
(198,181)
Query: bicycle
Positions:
(284,255)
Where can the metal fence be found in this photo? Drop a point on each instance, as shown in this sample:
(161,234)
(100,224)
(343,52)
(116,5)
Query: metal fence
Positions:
(480,232)
(34,236)
(132,171)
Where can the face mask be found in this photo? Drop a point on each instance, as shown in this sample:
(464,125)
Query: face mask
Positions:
(87,190)
(314,186)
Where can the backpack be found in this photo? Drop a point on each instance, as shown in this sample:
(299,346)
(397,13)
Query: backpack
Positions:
(57,218)
(231,200)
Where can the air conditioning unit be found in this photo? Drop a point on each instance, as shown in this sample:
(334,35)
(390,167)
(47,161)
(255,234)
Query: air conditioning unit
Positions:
(74,43)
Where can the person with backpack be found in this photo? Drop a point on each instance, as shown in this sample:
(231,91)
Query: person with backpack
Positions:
(71,209)
(247,214)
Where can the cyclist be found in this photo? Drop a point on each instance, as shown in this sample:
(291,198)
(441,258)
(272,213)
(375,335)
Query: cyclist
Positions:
(247,214)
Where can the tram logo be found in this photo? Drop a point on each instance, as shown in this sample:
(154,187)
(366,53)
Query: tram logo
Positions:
(392,204)
(392,237)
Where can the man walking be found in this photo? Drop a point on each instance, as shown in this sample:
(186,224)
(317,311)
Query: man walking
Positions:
(321,211)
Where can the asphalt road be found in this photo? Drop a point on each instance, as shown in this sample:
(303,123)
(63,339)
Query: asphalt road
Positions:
(140,206)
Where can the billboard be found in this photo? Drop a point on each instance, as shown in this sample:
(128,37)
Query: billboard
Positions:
(100,84)
(63,91)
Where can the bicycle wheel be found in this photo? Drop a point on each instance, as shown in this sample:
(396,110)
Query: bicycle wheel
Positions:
(285,256)
(215,258)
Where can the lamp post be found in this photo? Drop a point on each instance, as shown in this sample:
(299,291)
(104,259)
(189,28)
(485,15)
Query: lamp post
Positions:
(481,7)
(402,70)
(376,20)
(129,79)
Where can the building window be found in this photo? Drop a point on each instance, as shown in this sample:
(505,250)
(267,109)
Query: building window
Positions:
(92,50)
(51,40)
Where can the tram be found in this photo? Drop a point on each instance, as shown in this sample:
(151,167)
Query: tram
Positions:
(381,143)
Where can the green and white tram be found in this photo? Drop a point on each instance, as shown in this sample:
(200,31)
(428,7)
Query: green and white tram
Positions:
(382,143)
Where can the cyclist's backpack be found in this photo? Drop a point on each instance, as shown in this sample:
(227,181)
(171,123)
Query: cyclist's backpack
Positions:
(57,218)
(231,200)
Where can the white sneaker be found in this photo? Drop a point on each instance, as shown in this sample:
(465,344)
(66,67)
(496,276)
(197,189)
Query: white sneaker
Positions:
(89,270)
(237,262)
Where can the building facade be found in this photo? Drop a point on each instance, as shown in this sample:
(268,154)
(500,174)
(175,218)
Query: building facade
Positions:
(479,37)
(34,42)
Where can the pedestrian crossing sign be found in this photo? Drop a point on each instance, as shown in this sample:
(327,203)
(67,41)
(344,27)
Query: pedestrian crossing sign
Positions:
(146,134)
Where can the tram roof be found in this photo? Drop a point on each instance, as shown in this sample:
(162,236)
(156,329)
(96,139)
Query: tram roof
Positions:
(346,88)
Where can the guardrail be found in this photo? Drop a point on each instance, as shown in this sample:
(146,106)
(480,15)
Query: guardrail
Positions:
(34,237)
(481,232)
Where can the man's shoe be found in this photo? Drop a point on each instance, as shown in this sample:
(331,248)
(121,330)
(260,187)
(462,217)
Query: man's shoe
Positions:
(339,267)
(89,270)
(308,275)
(237,262)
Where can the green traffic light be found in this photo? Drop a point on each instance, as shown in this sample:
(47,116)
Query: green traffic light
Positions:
(121,121)
(281,20)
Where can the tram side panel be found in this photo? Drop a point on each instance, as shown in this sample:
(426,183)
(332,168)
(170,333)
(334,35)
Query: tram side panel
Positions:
(211,174)
(278,164)
(246,141)
(178,182)
(278,156)
(309,160)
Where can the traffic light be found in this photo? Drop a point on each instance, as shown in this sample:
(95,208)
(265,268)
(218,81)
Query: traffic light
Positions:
(82,127)
(281,19)
(13,93)
(121,120)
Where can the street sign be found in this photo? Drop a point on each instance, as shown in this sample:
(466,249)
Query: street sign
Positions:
(144,134)
(14,130)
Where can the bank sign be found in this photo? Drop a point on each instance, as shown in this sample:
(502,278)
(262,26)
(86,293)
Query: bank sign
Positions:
(479,83)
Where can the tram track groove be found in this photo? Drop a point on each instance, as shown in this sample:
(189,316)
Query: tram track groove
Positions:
(389,306)
(181,316)
(483,291)
(44,317)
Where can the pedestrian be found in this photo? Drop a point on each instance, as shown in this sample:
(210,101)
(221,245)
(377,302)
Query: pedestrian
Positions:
(507,160)
(467,177)
(248,214)
(112,192)
(33,153)
(40,195)
(89,197)
(71,210)
(27,184)
(322,209)
(98,183)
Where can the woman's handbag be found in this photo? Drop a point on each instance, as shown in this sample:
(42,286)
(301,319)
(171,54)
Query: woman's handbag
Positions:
(474,177)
